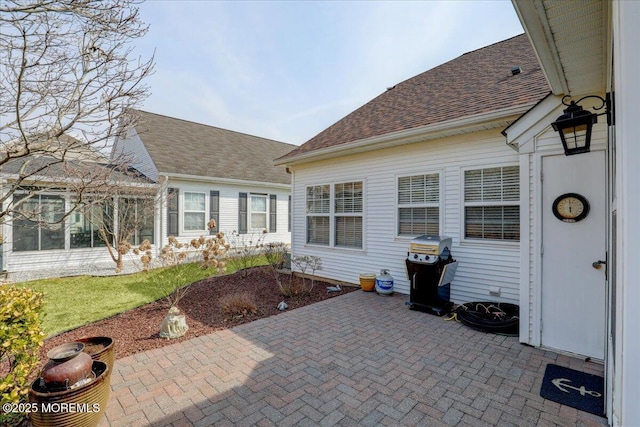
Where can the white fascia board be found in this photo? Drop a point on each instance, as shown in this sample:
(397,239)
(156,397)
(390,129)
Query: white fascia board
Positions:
(531,123)
(534,20)
(35,179)
(467,124)
(209,179)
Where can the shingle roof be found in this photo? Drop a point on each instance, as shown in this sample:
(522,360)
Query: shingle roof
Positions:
(477,82)
(184,147)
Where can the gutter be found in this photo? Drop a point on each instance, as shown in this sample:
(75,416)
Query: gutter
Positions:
(408,136)
(200,178)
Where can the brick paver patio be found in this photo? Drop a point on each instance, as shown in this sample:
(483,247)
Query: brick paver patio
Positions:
(356,360)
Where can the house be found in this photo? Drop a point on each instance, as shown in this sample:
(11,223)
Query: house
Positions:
(210,173)
(468,150)
(192,173)
(585,49)
(398,167)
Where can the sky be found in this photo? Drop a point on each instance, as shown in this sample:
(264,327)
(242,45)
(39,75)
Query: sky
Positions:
(286,70)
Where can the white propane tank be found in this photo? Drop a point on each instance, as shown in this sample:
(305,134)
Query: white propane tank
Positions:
(384,283)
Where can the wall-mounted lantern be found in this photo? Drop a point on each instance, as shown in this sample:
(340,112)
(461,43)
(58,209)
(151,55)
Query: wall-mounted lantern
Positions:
(575,124)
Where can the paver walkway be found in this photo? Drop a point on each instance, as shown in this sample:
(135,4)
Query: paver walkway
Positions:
(356,360)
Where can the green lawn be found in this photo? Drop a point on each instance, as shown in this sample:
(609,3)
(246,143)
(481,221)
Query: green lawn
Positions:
(75,301)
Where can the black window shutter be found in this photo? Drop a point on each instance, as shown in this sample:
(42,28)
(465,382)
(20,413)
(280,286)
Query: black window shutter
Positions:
(214,210)
(172,211)
(289,222)
(273,209)
(242,213)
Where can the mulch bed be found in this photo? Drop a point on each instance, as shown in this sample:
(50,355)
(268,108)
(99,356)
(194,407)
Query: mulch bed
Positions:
(137,330)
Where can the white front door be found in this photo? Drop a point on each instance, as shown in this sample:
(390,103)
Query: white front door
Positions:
(573,291)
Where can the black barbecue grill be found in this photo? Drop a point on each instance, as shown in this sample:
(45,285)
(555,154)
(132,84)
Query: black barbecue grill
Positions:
(430,269)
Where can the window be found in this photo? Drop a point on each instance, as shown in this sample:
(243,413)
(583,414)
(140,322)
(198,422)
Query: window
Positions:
(85,224)
(258,212)
(194,211)
(318,210)
(348,209)
(492,203)
(336,209)
(419,205)
(39,224)
(136,214)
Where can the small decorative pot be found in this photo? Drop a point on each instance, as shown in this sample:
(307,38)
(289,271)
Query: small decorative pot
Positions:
(368,282)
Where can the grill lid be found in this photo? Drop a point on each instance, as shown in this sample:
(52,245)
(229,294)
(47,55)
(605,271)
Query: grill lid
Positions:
(429,244)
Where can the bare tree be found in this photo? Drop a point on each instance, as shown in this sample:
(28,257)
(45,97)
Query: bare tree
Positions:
(67,75)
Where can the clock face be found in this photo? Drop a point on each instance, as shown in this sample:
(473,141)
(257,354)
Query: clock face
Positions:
(571,207)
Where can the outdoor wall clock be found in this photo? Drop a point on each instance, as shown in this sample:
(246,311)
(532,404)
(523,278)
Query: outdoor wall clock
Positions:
(571,207)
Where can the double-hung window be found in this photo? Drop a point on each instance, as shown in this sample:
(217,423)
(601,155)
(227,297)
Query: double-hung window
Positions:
(335,214)
(194,211)
(348,214)
(492,203)
(258,213)
(318,214)
(419,204)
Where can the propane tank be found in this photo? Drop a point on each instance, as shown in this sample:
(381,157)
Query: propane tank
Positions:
(384,283)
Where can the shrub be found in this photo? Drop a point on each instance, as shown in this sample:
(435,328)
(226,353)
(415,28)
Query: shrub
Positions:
(238,305)
(275,254)
(176,258)
(304,262)
(20,339)
(246,249)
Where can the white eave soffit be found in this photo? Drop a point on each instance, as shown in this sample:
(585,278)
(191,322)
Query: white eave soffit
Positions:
(534,21)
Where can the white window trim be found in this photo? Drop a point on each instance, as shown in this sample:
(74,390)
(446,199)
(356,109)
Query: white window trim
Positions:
(184,211)
(440,204)
(332,215)
(488,242)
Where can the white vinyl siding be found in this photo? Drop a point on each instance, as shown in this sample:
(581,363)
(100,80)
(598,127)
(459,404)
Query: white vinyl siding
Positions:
(382,246)
(194,211)
(492,203)
(419,205)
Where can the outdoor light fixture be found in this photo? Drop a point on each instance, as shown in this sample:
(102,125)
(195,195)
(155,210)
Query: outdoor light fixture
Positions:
(576,123)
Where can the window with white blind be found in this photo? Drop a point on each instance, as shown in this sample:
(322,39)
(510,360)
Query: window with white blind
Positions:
(318,214)
(348,214)
(492,203)
(194,211)
(335,214)
(419,204)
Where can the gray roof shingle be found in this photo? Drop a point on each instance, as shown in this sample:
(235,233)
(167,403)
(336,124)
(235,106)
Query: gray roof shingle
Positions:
(476,82)
(182,147)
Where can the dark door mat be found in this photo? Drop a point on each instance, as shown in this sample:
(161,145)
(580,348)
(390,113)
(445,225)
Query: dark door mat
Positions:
(574,388)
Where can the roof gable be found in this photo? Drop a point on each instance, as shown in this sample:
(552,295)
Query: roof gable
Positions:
(182,147)
(477,82)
